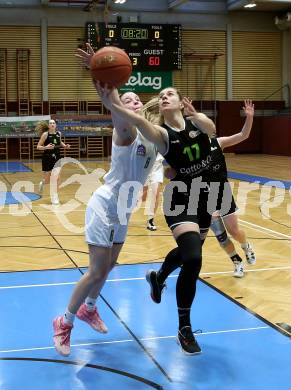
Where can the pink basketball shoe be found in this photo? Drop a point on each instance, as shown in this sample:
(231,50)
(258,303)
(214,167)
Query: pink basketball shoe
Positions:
(62,334)
(92,318)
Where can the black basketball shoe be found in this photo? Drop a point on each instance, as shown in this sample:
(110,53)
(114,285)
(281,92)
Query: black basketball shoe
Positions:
(187,341)
(151,225)
(156,287)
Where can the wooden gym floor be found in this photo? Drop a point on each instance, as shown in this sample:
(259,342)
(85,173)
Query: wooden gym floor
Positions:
(35,235)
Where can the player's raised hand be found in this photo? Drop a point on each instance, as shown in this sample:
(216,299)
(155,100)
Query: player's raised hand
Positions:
(249,108)
(85,56)
(189,110)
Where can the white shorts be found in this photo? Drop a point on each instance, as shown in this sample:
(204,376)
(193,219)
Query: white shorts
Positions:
(103,227)
(157,174)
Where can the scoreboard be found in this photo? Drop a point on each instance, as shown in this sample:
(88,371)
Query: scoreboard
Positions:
(149,46)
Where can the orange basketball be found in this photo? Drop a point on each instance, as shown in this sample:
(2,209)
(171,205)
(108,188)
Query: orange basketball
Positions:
(111,65)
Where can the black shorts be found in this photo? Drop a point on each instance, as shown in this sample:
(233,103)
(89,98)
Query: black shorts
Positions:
(181,208)
(48,161)
(221,198)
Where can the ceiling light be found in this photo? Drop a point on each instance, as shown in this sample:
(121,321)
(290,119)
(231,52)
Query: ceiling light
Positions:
(119,1)
(250,4)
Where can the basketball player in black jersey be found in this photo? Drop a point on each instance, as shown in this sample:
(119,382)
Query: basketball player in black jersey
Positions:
(225,209)
(185,145)
(50,142)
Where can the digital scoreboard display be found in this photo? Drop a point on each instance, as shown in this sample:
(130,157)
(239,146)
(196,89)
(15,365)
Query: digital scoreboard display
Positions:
(149,46)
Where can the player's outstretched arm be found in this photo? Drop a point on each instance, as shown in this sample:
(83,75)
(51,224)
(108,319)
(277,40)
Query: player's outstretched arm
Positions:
(120,114)
(155,134)
(123,130)
(249,110)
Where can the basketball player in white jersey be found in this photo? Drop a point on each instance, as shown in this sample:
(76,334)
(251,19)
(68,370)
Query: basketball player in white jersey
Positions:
(131,161)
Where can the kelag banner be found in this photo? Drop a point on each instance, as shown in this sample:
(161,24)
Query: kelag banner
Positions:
(149,82)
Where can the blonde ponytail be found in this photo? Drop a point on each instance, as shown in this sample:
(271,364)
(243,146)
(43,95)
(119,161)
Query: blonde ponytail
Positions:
(151,111)
(41,127)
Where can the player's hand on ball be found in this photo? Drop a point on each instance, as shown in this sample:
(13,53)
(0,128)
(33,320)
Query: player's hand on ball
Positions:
(85,56)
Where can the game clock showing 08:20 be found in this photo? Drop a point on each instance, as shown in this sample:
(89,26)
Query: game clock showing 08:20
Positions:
(149,46)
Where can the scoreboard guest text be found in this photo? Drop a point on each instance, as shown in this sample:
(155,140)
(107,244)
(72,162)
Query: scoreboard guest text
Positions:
(149,46)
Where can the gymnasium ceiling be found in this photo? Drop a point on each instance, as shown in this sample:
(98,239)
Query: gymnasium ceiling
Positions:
(181,6)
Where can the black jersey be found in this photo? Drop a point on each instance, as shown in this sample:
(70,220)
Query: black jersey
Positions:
(217,170)
(189,151)
(54,139)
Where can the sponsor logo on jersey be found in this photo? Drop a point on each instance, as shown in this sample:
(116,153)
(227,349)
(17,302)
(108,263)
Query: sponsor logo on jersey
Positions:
(192,134)
(213,148)
(196,169)
(141,150)
(175,142)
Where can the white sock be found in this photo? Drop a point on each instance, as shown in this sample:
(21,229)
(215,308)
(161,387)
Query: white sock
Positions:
(90,303)
(245,246)
(69,317)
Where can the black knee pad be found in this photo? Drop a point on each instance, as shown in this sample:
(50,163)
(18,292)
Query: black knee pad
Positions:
(189,244)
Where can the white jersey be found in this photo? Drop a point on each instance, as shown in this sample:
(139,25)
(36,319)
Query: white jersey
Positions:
(158,163)
(130,163)
(157,173)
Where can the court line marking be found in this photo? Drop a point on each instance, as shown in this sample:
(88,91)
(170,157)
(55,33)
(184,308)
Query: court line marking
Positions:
(252,225)
(140,278)
(269,231)
(81,364)
(38,285)
(43,207)
(141,339)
